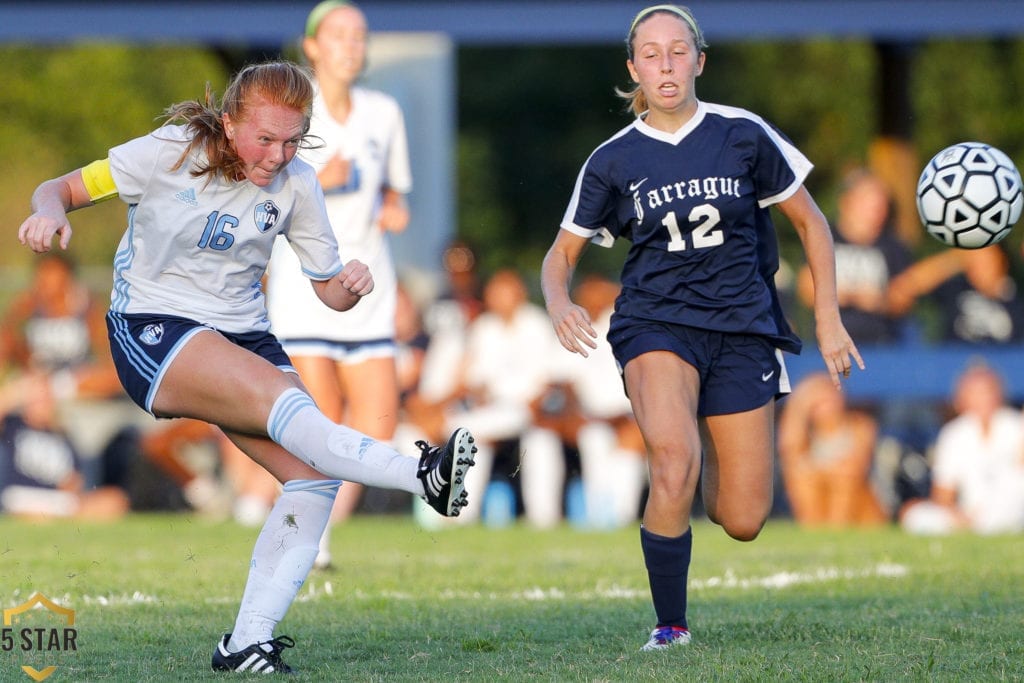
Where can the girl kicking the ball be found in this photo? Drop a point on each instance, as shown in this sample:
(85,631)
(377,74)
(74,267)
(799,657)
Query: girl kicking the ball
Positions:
(208,195)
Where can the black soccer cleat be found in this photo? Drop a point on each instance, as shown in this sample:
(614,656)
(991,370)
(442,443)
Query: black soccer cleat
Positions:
(261,658)
(443,472)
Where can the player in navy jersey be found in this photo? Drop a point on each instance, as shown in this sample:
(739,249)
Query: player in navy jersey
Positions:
(698,329)
(188,324)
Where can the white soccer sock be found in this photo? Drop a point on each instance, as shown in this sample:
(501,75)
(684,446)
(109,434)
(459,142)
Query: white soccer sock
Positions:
(282,557)
(336,450)
(323,558)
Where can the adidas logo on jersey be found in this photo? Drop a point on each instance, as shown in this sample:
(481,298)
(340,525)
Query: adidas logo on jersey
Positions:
(187,196)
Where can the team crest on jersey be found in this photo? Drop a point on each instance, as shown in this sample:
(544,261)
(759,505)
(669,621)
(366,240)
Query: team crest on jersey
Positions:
(152,334)
(266,215)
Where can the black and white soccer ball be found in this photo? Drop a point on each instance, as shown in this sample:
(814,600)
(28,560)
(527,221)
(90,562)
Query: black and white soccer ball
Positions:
(969,195)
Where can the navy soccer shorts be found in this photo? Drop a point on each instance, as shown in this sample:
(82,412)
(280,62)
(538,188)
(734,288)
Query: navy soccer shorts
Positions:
(738,372)
(144,346)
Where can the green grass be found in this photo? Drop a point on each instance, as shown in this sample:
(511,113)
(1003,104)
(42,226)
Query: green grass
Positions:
(154,592)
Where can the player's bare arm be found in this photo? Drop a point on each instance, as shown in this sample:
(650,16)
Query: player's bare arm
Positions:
(834,342)
(51,203)
(344,290)
(571,322)
(335,172)
(394,212)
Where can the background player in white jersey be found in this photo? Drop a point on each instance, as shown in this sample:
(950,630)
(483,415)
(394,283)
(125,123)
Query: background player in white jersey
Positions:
(347,358)
(697,327)
(188,326)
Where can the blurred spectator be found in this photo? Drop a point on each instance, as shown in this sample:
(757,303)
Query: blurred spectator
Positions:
(957,296)
(40,469)
(254,490)
(587,407)
(54,332)
(54,329)
(412,342)
(55,326)
(504,369)
(825,454)
(446,322)
(973,293)
(187,452)
(978,464)
(868,256)
(462,286)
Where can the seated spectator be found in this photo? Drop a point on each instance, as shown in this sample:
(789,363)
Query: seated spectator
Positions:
(54,332)
(40,469)
(825,455)
(978,464)
(253,489)
(412,342)
(972,293)
(868,255)
(587,408)
(460,301)
(55,326)
(505,368)
(167,445)
(445,322)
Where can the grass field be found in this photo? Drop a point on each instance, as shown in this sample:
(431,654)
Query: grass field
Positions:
(153,593)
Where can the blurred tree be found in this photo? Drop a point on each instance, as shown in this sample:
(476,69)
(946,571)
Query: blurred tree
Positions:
(531,116)
(565,105)
(971,90)
(66,106)
(527,119)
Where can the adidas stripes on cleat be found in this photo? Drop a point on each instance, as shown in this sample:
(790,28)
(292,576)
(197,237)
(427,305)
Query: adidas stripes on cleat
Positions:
(261,658)
(443,472)
(665,637)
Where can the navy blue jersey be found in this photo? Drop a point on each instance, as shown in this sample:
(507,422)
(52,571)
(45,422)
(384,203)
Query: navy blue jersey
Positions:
(969,316)
(32,457)
(695,205)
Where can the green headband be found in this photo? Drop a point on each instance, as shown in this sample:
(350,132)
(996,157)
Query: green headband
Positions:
(317,14)
(686,16)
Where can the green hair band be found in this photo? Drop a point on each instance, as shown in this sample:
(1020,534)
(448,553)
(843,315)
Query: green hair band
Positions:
(317,14)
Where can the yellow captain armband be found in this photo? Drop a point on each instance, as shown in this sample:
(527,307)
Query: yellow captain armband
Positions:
(99,183)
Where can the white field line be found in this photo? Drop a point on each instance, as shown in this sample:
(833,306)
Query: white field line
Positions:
(314,590)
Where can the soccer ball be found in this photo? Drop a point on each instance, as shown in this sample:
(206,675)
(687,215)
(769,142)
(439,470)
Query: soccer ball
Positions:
(969,195)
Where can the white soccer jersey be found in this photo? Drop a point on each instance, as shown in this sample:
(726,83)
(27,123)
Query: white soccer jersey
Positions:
(595,379)
(985,469)
(198,247)
(373,140)
(511,361)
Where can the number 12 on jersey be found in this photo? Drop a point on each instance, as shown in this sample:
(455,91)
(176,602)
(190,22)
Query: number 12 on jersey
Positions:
(703,235)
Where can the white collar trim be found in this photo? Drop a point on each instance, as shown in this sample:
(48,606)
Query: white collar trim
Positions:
(676,137)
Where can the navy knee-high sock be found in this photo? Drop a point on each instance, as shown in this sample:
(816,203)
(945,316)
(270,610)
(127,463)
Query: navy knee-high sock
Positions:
(668,564)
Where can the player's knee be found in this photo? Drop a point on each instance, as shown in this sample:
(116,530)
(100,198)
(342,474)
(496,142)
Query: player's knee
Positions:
(673,481)
(674,470)
(743,529)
